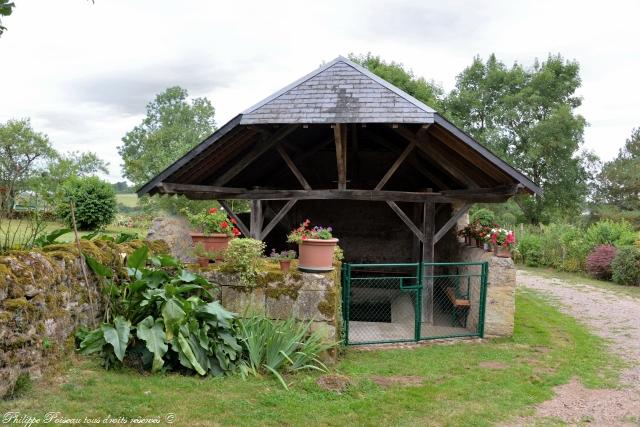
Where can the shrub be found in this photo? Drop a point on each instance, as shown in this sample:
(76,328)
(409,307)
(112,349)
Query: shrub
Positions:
(483,216)
(94,200)
(626,266)
(610,233)
(244,256)
(598,263)
(530,249)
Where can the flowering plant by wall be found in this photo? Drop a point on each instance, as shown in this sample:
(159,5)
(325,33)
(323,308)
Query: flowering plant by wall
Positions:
(304,232)
(213,221)
(502,237)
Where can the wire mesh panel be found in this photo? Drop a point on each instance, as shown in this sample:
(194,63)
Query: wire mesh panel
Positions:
(385,303)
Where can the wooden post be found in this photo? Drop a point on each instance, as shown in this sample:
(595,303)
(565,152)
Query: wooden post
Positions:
(428,227)
(255,229)
(340,136)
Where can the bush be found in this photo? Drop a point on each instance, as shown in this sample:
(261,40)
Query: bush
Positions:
(483,216)
(610,233)
(244,256)
(598,263)
(94,200)
(626,266)
(530,249)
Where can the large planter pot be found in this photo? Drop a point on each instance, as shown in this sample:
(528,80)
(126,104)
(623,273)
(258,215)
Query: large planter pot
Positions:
(316,255)
(501,251)
(216,242)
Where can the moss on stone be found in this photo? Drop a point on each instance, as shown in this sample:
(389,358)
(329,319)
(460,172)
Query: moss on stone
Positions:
(290,289)
(14,304)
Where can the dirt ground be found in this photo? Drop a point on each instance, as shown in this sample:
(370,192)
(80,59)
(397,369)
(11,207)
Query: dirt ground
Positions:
(608,315)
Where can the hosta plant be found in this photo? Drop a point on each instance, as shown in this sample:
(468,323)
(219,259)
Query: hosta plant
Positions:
(163,317)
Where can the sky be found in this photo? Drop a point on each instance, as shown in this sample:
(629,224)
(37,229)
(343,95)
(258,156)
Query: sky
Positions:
(84,72)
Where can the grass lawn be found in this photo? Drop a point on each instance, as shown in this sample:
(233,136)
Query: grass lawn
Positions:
(581,279)
(128,200)
(548,348)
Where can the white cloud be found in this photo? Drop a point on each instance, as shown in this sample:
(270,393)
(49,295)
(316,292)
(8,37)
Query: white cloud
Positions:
(84,72)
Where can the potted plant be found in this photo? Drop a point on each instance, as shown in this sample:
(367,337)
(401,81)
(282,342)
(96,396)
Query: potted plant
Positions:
(315,247)
(503,241)
(202,256)
(214,229)
(284,258)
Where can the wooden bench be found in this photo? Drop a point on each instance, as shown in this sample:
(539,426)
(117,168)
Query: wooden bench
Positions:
(460,306)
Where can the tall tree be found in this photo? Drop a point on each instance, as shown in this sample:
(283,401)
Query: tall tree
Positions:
(24,154)
(527,115)
(619,180)
(6,9)
(171,128)
(426,91)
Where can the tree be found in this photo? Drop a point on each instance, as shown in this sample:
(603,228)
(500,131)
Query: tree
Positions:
(426,91)
(527,116)
(171,128)
(24,153)
(619,180)
(94,201)
(6,9)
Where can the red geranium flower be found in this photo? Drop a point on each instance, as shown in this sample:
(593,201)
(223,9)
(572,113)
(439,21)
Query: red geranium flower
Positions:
(213,210)
(233,220)
(236,232)
(224,224)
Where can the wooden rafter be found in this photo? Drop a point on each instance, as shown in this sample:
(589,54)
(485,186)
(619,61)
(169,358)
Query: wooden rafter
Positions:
(403,216)
(452,221)
(493,194)
(258,150)
(340,137)
(394,167)
(256,219)
(276,219)
(243,228)
(294,169)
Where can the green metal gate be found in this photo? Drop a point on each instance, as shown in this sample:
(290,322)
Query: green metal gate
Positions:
(409,302)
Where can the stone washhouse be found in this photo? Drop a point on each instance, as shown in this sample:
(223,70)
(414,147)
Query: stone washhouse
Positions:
(394,179)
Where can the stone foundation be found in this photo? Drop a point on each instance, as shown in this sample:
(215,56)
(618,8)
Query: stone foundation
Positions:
(501,305)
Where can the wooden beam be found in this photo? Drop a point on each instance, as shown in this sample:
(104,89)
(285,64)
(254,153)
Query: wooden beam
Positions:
(243,228)
(403,216)
(340,137)
(256,219)
(258,150)
(276,219)
(204,192)
(305,154)
(428,225)
(452,221)
(396,164)
(294,169)
(438,157)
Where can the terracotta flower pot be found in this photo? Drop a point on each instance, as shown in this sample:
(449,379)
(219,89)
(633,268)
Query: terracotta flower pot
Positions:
(316,255)
(285,264)
(501,251)
(203,261)
(216,242)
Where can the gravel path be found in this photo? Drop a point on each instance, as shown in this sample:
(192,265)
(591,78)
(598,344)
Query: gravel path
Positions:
(608,315)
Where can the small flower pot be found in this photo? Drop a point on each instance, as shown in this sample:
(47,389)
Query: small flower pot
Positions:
(501,251)
(216,242)
(487,247)
(285,264)
(316,255)
(203,261)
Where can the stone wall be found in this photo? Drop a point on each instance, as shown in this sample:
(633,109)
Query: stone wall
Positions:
(43,299)
(278,295)
(500,304)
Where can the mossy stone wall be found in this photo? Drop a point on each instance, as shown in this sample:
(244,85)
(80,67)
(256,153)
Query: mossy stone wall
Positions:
(44,298)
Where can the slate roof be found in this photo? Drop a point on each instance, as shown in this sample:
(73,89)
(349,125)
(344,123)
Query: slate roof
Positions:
(339,92)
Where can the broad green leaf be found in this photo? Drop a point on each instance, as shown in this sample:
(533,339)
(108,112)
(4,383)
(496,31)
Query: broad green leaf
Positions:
(138,258)
(216,309)
(100,269)
(185,348)
(173,315)
(117,335)
(187,276)
(92,342)
(152,333)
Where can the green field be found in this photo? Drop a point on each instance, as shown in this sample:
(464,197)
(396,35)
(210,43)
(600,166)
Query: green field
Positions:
(128,200)
(464,384)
